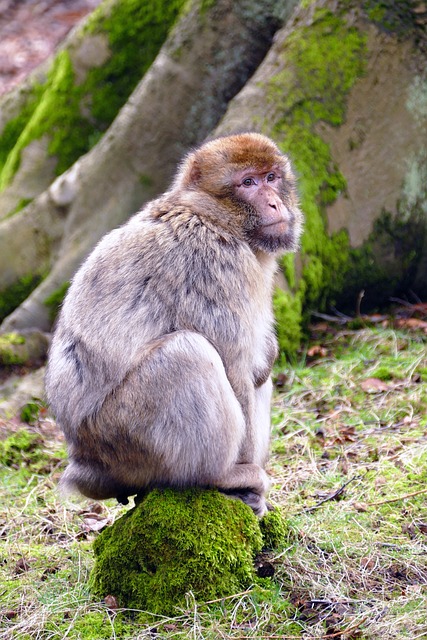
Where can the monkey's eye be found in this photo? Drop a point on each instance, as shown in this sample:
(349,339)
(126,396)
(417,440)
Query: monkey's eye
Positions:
(271,176)
(247,182)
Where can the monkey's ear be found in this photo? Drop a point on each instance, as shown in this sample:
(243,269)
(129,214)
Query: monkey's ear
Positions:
(190,172)
(194,172)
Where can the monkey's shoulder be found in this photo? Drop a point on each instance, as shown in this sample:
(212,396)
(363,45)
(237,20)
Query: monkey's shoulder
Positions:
(191,214)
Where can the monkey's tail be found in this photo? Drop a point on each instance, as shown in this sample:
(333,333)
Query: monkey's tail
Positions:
(92,481)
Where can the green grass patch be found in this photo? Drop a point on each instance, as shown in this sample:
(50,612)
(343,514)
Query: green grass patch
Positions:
(349,471)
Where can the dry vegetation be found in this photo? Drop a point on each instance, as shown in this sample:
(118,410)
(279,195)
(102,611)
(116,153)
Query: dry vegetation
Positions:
(349,464)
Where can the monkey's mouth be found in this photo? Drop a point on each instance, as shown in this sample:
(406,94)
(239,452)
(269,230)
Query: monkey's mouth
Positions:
(276,227)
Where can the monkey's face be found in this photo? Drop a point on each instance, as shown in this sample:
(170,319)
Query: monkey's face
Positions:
(249,177)
(272,219)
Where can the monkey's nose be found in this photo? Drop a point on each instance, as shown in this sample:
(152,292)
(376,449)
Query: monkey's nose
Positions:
(273,206)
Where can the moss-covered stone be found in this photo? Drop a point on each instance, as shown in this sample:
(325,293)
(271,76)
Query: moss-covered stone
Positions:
(12,349)
(16,348)
(388,261)
(20,205)
(288,313)
(174,542)
(274,529)
(75,114)
(395,16)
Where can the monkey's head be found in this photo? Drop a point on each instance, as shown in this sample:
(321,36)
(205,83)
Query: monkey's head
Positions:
(250,176)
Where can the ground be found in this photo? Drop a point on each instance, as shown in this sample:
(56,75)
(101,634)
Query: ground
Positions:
(30,30)
(349,469)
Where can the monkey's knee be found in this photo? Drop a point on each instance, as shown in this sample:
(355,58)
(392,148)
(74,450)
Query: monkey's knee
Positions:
(198,421)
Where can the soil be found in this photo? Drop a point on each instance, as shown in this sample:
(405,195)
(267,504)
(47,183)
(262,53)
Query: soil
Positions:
(30,30)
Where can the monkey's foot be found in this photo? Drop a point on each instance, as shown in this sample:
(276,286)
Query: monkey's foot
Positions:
(256,502)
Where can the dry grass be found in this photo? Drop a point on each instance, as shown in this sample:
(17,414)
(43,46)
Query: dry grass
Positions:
(349,467)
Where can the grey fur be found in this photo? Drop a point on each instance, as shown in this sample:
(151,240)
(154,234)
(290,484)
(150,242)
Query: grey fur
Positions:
(159,367)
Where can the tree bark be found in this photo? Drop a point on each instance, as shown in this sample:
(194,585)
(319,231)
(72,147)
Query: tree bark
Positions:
(345,96)
(342,91)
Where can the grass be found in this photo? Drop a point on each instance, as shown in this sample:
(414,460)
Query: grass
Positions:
(349,471)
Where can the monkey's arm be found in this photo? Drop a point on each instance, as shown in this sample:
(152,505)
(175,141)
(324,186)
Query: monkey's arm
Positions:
(262,373)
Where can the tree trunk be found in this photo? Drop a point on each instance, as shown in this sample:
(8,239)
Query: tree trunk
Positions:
(67,104)
(344,91)
(177,103)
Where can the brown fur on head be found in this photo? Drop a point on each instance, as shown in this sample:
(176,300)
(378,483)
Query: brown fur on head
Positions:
(212,167)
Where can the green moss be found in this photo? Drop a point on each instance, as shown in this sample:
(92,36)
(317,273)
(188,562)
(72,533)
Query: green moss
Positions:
(206,5)
(394,16)
(274,530)
(16,293)
(388,260)
(55,300)
(175,542)
(136,31)
(8,353)
(382,373)
(323,61)
(21,205)
(287,264)
(75,116)
(287,311)
(146,181)
(54,107)
(16,448)
(30,412)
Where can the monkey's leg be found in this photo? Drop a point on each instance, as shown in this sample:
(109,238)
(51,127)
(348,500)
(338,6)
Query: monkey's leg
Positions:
(256,498)
(174,421)
(263,421)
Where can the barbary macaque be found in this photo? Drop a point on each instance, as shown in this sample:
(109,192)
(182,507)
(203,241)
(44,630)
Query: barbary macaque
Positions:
(159,369)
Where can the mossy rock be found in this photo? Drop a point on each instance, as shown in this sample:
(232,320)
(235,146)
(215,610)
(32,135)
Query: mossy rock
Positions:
(23,348)
(175,542)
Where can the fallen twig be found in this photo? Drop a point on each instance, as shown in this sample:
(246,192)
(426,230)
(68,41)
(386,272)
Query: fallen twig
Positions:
(404,497)
(331,496)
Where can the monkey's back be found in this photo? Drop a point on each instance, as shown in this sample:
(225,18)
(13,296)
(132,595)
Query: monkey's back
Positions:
(169,268)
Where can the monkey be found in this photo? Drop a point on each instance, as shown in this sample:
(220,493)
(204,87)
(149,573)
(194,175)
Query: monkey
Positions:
(159,371)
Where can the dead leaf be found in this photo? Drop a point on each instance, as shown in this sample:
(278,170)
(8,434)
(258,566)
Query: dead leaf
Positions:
(281,380)
(317,351)
(111,602)
(367,563)
(320,327)
(422,526)
(412,323)
(360,506)
(374,385)
(346,434)
(380,481)
(92,508)
(10,614)
(94,523)
(22,565)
